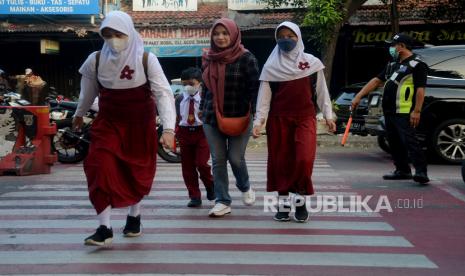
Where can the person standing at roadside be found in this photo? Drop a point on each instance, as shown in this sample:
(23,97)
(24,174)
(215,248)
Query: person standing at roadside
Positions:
(4,85)
(121,163)
(194,146)
(289,79)
(231,80)
(404,91)
(30,86)
(33,87)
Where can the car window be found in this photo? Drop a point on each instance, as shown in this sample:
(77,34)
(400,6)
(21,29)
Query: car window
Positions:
(453,68)
(345,97)
(433,56)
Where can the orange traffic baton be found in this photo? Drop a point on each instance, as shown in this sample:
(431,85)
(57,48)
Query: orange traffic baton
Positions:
(346,132)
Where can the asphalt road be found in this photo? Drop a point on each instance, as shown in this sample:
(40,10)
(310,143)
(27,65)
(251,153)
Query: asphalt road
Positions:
(417,231)
(431,217)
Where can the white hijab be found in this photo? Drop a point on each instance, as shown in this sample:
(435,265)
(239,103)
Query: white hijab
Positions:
(286,66)
(111,64)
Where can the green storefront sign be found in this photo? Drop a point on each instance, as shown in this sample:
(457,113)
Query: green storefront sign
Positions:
(436,35)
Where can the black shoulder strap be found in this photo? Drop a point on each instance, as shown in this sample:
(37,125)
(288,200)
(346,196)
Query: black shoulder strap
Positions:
(97,62)
(145,62)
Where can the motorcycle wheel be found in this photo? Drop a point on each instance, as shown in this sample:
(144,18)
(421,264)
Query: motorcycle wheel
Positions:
(167,155)
(68,150)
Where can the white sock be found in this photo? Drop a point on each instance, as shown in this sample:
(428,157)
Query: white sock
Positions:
(104,217)
(134,210)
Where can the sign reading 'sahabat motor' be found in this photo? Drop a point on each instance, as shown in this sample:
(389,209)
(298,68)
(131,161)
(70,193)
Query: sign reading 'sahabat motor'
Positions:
(49,7)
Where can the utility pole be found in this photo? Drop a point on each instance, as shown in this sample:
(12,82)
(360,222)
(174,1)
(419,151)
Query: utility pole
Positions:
(394,17)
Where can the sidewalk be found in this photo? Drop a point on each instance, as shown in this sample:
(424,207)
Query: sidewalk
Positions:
(327,140)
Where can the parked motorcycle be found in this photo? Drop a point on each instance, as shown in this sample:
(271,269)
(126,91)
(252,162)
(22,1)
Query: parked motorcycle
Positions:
(166,154)
(62,112)
(11,98)
(72,146)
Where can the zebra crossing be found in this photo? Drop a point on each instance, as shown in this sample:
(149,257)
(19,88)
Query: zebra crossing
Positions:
(44,220)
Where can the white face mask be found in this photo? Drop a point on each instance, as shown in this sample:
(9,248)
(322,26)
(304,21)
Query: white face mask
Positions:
(118,44)
(191,90)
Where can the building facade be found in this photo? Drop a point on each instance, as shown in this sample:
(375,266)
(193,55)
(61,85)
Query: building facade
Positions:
(177,31)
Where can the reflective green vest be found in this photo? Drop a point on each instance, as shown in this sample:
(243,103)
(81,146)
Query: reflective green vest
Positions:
(403,80)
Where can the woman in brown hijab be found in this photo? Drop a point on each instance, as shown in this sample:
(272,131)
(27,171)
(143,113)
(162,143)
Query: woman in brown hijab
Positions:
(231,79)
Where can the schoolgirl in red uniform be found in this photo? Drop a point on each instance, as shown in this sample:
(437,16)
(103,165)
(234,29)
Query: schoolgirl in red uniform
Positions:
(285,99)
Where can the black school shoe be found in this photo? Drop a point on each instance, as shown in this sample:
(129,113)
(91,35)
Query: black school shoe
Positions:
(283,212)
(398,175)
(301,214)
(421,178)
(282,216)
(102,236)
(211,193)
(194,203)
(132,227)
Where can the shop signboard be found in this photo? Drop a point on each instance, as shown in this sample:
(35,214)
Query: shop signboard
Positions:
(252,5)
(49,7)
(49,47)
(425,34)
(164,5)
(182,42)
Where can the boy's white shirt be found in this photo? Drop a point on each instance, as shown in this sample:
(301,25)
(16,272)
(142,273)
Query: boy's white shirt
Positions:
(184,109)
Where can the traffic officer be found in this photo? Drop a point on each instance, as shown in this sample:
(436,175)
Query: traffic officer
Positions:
(404,92)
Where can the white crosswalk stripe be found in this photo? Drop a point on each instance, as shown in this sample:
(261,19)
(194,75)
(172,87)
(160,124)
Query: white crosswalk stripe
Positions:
(220,257)
(210,224)
(347,240)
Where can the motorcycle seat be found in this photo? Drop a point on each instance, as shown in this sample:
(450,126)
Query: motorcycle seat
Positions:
(68,105)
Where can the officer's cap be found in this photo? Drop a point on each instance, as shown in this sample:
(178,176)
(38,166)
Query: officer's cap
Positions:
(401,38)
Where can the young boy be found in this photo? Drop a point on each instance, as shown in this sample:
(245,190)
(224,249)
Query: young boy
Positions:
(194,146)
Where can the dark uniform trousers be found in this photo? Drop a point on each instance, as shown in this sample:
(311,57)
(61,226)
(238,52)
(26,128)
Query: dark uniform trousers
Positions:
(194,159)
(404,143)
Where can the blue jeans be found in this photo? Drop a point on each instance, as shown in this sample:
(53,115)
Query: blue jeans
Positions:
(227,148)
